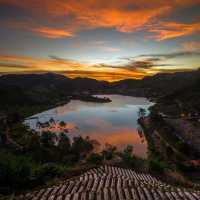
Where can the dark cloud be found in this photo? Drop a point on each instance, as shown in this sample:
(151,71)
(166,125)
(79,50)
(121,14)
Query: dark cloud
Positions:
(145,64)
(59,58)
(153,59)
(55,57)
(171,55)
(137,65)
(67,61)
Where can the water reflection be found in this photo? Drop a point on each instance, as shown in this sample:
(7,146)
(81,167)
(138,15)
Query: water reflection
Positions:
(114,123)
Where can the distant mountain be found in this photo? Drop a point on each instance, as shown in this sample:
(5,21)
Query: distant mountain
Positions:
(49,87)
(160,84)
(50,81)
(43,88)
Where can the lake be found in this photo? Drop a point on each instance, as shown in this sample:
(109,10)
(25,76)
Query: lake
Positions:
(112,123)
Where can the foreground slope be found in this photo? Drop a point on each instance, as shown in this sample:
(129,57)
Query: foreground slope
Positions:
(112,183)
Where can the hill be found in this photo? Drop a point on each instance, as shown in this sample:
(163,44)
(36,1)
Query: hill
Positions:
(160,84)
(184,100)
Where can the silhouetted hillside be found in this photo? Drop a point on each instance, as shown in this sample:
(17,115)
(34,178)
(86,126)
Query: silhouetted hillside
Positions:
(52,88)
(51,81)
(160,84)
(42,88)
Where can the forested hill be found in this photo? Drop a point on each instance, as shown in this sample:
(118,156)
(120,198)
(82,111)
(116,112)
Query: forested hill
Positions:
(42,88)
(50,81)
(186,99)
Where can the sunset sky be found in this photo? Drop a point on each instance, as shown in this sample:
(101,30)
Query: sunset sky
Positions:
(101,39)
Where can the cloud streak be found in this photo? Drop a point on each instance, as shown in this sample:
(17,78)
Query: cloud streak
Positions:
(171,55)
(170,30)
(41,30)
(52,33)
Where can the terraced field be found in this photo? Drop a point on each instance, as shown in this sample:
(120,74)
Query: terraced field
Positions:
(112,183)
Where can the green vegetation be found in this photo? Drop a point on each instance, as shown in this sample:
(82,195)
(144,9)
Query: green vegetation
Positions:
(21,172)
(95,159)
(168,154)
(28,159)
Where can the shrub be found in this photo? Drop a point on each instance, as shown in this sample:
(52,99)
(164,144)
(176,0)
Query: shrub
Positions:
(15,171)
(48,139)
(47,171)
(20,172)
(157,166)
(95,158)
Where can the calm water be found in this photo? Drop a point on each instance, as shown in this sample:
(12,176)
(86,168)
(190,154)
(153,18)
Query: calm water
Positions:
(113,123)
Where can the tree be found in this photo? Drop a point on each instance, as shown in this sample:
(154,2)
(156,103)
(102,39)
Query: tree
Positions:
(64,144)
(81,147)
(127,156)
(109,152)
(142,112)
(48,139)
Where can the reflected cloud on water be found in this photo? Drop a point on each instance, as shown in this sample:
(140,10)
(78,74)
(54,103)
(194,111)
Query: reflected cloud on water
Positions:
(114,123)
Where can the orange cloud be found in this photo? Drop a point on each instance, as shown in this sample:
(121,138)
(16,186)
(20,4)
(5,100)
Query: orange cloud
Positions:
(169,30)
(44,31)
(122,20)
(124,16)
(36,64)
(51,32)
